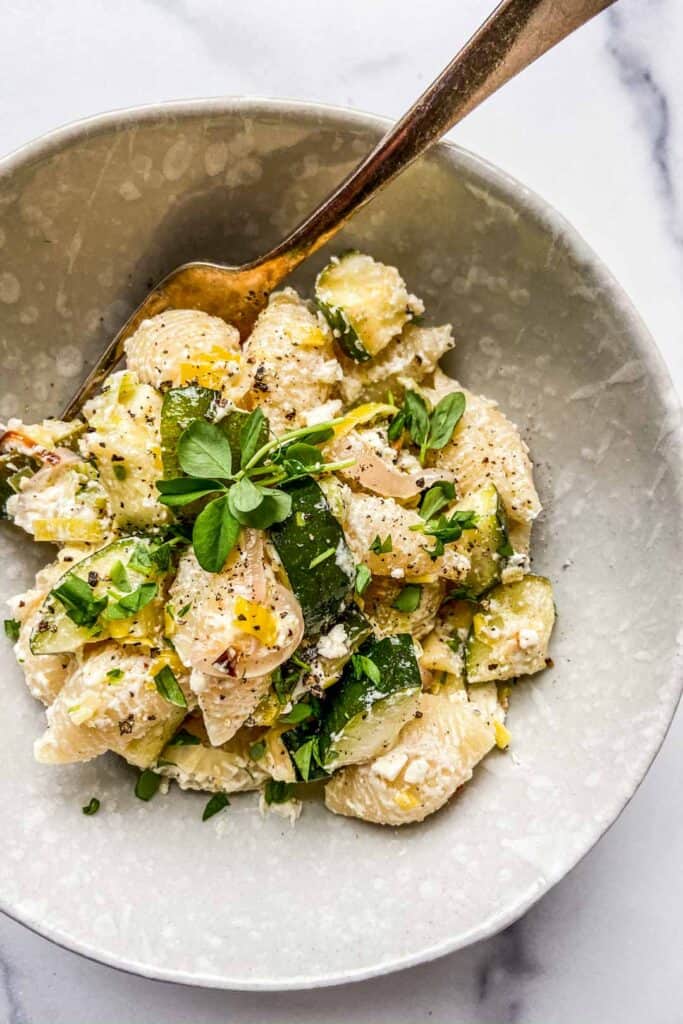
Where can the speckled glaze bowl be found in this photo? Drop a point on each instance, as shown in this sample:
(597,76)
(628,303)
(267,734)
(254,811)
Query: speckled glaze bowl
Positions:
(94,213)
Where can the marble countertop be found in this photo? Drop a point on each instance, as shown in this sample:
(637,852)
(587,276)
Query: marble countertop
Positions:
(597,129)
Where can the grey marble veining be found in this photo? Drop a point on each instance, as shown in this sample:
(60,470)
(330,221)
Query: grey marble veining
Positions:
(640,75)
(597,128)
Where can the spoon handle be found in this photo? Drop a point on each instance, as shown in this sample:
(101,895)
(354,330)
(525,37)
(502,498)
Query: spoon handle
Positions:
(515,34)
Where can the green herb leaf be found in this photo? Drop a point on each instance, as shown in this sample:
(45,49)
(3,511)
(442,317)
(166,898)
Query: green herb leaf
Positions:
(204,450)
(251,435)
(302,757)
(119,470)
(131,604)
(115,674)
(215,803)
(119,577)
(363,577)
(257,750)
(92,806)
(300,713)
(215,534)
(169,687)
(275,792)
(416,417)
(183,490)
(183,738)
(317,434)
(12,627)
(382,547)
(445,530)
(444,419)
(274,508)
(437,497)
(150,559)
(147,784)
(363,666)
(82,607)
(244,497)
(307,454)
(322,557)
(397,426)
(409,598)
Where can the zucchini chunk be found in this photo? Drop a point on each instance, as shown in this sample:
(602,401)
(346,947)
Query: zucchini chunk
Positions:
(510,634)
(364,716)
(57,630)
(328,656)
(315,556)
(488,545)
(366,303)
(443,651)
(179,408)
(123,440)
(14,466)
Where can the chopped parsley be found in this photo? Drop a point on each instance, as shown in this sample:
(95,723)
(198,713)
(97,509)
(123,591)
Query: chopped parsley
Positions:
(364,666)
(216,803)
(303,757)
(382,547)
(147,784)
(130,604)
(276,792)
(92,807)
(169,688)
(300,713)
(12,627)
(257,750)
(322,557)
(363,577)
(408,600)
(77,596)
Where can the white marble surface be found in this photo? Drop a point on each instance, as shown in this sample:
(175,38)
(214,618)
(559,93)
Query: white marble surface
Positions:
(596,128)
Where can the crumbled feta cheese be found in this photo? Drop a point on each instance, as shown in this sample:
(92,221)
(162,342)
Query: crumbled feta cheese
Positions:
(416,771)
(389,766)
(398,573)
(344,559)
(322,413)
(528,638)
(334,644)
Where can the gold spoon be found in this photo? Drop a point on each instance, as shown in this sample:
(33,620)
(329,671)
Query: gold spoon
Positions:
(515,34)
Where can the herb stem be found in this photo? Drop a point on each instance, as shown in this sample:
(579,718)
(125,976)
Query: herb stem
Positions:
(290,435)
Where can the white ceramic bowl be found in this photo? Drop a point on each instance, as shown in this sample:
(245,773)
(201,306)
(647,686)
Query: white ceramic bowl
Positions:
(95,212)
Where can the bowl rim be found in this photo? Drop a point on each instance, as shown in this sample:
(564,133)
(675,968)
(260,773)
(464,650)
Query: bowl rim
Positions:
(546,216)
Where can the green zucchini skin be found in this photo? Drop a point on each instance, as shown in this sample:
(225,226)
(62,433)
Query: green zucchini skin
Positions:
(180,407)
(365,302)
(310,531)
(183,405)
(344,332)
(327,671)
(488,544)
(358,711)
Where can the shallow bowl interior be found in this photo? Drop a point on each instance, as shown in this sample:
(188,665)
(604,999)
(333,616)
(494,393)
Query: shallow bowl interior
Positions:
(94,214)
